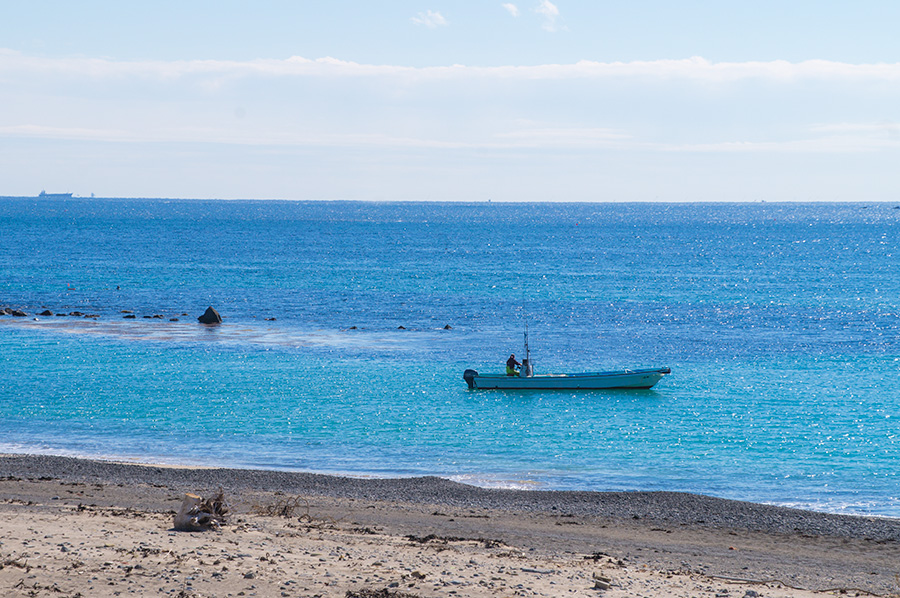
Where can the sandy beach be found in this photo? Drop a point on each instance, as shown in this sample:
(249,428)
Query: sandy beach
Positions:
(74,527)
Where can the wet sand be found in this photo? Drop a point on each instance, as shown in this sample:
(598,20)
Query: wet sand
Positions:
(73,527)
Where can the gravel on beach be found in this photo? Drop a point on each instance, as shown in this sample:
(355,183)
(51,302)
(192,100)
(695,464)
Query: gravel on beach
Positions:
(672,508)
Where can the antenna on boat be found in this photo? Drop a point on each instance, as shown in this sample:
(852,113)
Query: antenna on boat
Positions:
(527,354)
(527,369)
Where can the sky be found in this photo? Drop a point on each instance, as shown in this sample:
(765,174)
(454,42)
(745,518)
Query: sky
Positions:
(452,100)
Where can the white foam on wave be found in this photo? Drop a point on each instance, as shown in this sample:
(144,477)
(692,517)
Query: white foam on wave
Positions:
(52,451)
(857,508)
(155,330)
(494,482)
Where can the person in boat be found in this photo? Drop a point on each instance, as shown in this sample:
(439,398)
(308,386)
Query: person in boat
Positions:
(511,365)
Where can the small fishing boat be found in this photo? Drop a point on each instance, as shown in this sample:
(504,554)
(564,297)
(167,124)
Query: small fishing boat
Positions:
(584,381)
(527,380)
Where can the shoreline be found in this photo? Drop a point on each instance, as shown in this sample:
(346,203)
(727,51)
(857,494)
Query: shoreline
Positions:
(664,535)
(682,508)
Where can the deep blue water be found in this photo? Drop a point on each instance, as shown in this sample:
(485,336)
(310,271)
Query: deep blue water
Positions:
(781,323)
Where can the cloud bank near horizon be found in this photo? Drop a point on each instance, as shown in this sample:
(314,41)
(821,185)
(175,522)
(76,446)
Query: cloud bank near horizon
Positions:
(590,113)
(173,89)
(695,68)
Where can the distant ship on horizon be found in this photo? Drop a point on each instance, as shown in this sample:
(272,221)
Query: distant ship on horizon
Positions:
(44,195)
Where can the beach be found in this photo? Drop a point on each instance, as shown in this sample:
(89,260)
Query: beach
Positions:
(74,527)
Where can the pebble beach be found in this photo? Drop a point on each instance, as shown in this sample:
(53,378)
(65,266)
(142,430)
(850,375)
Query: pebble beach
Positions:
(74,527)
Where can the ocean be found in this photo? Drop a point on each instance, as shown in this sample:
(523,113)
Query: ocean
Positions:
(348,325)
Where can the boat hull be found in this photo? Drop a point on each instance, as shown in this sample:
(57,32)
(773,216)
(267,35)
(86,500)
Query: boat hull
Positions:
(45,195)
(635,379)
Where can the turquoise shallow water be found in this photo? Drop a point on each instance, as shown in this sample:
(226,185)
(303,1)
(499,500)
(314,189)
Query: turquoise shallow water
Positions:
(780,323)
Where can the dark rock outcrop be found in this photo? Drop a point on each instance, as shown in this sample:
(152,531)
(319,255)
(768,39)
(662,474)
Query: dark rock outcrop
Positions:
(210,316)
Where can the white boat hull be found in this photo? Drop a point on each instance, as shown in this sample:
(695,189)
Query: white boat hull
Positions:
(586,381)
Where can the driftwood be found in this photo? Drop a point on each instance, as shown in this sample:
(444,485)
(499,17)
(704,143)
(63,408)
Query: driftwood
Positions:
(197,515)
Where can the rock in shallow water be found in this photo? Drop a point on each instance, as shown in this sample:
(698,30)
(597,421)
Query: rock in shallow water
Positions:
(210,316)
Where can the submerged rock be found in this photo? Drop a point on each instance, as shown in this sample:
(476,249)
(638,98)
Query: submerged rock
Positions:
(210,316)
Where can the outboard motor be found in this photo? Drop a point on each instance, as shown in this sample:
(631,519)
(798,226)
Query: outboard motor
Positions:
(469,377)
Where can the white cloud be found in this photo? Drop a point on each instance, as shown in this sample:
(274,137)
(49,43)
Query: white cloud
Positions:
(517,137)
(68,133)
(885,127)
(550,13)
(15,64)
(747,107)
(564,137)
(511,9)
(430,19)
(838,144)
